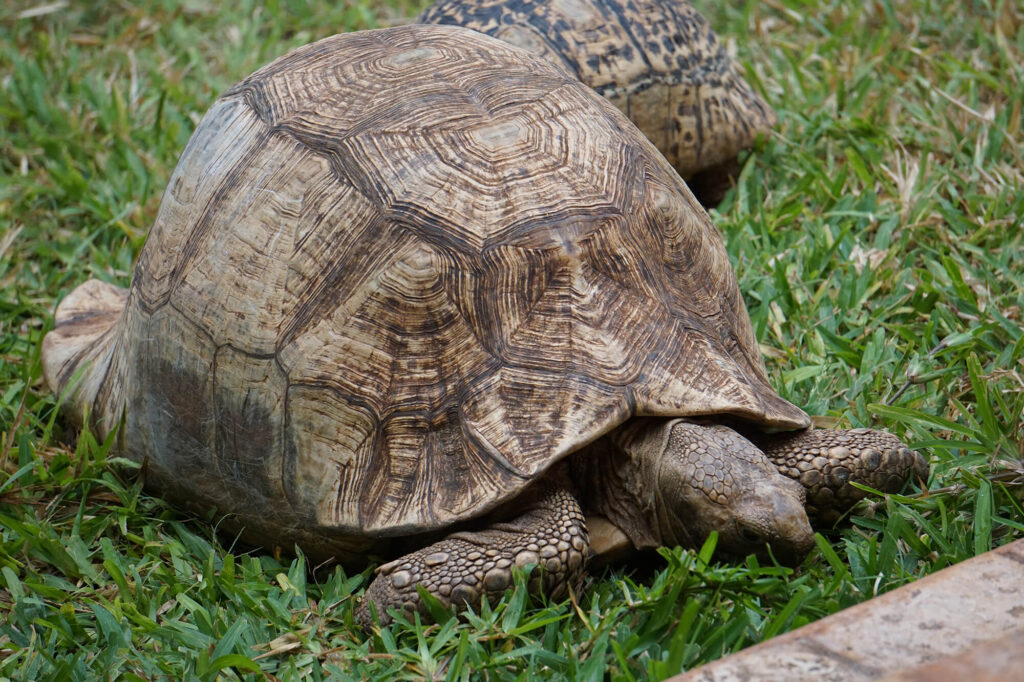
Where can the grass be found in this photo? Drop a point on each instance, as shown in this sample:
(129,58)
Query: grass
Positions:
(878,238)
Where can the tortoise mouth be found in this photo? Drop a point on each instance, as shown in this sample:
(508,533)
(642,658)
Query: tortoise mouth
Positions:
(788,550)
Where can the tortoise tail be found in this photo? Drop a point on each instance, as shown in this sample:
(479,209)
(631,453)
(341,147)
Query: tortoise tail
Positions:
(77,353)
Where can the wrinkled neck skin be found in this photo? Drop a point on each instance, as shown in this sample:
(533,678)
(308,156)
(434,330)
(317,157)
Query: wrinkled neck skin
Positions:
(617,477)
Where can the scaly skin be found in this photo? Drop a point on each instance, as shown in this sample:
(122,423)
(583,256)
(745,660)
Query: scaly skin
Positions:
(661,482)
(465,568)
(827,461)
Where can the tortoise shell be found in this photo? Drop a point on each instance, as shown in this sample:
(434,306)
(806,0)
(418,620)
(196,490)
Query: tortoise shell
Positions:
(396,276)
(658,61)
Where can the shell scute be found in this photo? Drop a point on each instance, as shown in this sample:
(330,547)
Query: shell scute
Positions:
(658,61)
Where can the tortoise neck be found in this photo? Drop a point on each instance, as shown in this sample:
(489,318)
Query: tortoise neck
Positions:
(617,479)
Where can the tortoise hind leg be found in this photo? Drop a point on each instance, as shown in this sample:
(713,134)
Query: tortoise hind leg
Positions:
(465,568)
(81,343)
(826,461)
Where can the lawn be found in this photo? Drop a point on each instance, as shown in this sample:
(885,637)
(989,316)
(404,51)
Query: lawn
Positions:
(877,234)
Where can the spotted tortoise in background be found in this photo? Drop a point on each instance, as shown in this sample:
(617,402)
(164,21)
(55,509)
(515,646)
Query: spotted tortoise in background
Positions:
(415,283)
(658,61)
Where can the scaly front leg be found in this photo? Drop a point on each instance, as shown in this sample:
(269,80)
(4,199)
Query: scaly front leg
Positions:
(827,461)
(465,568)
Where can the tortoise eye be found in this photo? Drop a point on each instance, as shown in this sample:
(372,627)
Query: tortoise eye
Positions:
(751,535)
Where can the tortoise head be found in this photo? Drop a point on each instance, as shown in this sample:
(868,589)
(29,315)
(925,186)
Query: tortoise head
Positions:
(710,478)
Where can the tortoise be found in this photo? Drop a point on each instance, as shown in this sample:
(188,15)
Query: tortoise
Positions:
(417,293)
(658,61)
